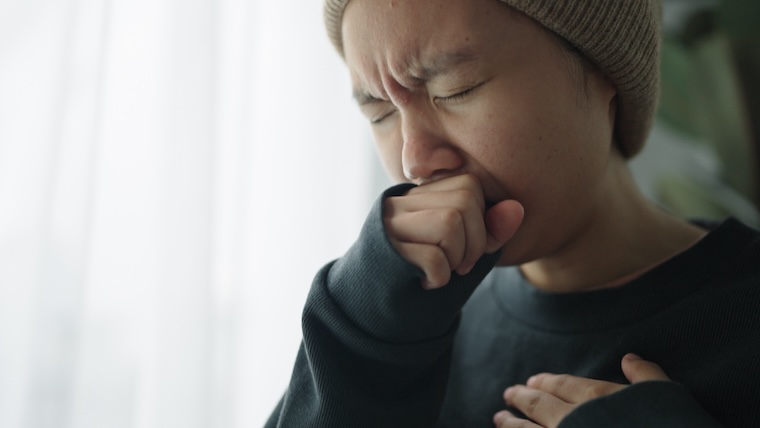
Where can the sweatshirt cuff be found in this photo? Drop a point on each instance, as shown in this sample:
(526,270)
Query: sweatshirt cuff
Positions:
(644,404)
(381,293)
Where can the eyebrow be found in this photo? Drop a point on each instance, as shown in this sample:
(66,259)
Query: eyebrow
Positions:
(443,63)
(432,68)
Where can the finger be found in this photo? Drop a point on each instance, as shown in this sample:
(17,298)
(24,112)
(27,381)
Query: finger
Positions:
(502,221)
(541,407)
(422,198)
(637,369)
(442,227)
(431,259)
(505,419)
(447,211)
(573,389)
(458,182)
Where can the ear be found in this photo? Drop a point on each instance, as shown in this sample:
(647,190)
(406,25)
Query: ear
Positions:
(604,93)
(613,110)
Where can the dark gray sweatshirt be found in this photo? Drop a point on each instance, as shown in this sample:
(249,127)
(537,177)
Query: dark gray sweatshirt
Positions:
(379,351)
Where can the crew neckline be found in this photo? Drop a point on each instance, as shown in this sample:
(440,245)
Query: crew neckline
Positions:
(644,296)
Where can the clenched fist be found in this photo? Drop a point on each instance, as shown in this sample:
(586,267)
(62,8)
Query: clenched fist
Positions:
(446,226)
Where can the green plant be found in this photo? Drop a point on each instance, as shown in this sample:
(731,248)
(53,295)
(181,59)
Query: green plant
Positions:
(711,94)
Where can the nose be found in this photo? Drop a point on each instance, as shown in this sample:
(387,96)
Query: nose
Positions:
(427,153)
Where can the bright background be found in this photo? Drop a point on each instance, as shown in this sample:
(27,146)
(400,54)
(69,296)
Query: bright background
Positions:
(172,175)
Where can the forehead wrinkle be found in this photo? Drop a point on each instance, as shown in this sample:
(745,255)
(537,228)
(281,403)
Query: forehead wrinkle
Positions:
(444,62)
(411,71)
(366,77)
(415,71)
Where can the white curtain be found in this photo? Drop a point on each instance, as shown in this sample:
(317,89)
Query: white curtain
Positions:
(172,175)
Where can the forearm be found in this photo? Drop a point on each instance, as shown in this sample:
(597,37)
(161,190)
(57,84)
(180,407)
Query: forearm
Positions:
(376,346)
(344,377)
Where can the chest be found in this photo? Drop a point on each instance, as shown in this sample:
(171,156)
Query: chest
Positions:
(716,361)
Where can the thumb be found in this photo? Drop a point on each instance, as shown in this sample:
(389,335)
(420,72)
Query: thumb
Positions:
(502,221)
(636,369)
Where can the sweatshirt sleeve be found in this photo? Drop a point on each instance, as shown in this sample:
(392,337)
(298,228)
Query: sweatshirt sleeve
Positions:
(655,404)
(376,347)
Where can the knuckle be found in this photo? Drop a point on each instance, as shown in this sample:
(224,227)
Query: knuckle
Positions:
(435,265)
(450,221)
(561,381)
(470,180)
(465,197)
(534,402)
(429,257)
(596,390)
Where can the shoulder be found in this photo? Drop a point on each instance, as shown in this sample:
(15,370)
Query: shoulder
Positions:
(731,249)
(730,232)
(724,268)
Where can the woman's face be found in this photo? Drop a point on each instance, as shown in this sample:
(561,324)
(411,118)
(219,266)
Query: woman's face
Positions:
(472,86)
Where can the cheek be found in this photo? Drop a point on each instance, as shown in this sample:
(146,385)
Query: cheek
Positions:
(509,139)
(536,154)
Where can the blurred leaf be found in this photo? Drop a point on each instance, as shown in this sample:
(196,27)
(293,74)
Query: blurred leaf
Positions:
(701,97)
(677,101)
(739,19)
(711,95)
(727,122)
(704,198)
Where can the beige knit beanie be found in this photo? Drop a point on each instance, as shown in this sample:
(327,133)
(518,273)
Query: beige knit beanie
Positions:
(621,37)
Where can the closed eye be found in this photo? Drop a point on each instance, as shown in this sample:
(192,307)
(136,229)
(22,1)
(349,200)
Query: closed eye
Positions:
(459,96)
(381,118)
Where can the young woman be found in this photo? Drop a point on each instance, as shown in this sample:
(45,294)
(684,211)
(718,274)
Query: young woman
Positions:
(517,276)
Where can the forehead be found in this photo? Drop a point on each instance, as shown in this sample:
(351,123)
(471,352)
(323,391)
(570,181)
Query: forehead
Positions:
(415,37)
(411,16)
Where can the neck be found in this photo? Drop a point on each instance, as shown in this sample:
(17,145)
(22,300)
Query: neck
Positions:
(625,235)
